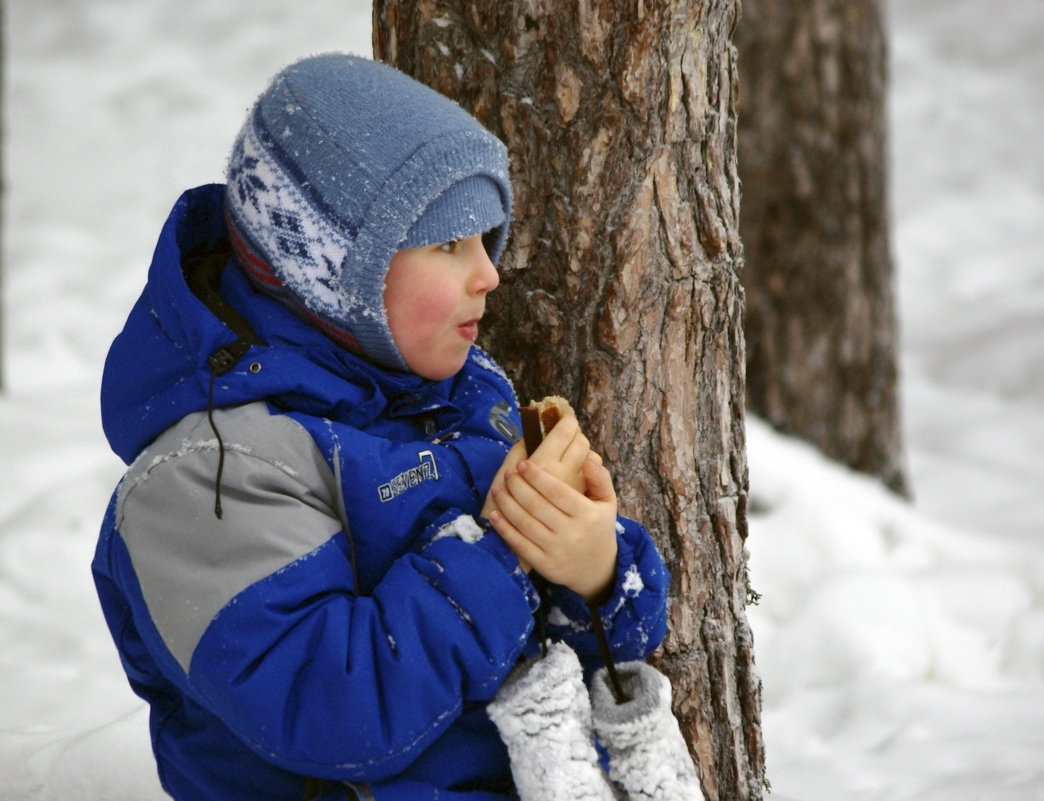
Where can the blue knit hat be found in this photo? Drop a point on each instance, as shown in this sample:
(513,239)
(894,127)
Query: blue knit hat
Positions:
(341,162)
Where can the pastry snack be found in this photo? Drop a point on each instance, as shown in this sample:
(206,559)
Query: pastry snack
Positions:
(539,417)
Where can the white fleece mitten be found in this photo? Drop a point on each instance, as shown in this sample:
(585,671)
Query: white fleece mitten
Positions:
(543,713)
(647,754)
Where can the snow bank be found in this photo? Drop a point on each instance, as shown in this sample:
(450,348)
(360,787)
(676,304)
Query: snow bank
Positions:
(901,646)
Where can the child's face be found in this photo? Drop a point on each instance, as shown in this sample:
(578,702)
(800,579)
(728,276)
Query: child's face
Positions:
(434,296)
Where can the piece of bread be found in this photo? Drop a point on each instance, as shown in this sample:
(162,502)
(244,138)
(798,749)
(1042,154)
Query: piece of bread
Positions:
(539,417)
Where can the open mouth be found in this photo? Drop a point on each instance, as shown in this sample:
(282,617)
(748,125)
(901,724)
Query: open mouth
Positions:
(469,329)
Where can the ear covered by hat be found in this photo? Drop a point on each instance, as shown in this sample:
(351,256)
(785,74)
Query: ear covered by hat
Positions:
(341,162)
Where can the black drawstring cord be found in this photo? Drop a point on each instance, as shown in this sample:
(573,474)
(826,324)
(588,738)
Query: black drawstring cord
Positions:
(532,435)
(221,361)
(221,446)
(540,583)
(203,270)
(607,657)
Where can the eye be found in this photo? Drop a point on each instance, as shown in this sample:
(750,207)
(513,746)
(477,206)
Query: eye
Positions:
(450,246)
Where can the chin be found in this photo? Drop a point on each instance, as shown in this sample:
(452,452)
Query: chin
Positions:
(441,371)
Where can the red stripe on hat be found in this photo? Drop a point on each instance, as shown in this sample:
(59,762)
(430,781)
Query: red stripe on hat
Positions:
(262,272)
(338,335)
(258,268)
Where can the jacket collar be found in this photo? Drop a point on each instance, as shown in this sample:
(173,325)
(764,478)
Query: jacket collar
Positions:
(157,369)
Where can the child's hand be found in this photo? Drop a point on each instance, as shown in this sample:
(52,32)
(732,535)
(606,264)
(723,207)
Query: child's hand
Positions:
(562,453)
(567,536)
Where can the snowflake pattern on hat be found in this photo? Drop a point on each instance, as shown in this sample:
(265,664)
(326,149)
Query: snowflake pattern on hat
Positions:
(274,216)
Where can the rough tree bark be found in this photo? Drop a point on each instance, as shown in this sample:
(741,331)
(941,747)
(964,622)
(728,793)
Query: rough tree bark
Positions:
(821,327)
(620,290)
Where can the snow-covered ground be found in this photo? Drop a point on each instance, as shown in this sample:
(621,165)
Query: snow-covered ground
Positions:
(901,645)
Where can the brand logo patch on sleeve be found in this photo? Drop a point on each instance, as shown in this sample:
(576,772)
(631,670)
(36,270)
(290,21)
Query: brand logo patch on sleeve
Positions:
(426,470)
(500,419)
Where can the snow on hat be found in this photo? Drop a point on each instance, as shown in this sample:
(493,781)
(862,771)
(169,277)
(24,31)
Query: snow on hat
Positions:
(341,162)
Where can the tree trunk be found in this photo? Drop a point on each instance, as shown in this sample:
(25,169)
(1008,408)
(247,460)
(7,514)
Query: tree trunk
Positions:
(619,289)
(821,327)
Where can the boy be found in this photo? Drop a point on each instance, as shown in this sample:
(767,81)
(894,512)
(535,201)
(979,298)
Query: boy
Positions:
(316,568)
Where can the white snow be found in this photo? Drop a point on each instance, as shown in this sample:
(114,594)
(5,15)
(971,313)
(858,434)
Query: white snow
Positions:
(901,644)
(464,528)
(632,583)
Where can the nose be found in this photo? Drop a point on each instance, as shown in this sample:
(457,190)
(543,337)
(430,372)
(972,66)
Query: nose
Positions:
(484,275)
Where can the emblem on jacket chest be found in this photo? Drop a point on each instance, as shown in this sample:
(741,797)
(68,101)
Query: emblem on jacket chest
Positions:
(426,470)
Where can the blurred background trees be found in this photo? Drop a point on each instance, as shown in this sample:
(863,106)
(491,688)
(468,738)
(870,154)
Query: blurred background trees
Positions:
(821,333)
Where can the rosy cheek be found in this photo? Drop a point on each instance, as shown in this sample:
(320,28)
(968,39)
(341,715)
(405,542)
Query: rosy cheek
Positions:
(435,307)
(419,316)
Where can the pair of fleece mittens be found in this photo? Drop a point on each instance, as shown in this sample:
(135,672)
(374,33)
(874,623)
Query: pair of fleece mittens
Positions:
(548,721)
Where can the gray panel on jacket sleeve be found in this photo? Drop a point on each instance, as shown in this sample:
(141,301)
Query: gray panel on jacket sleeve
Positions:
(279,501)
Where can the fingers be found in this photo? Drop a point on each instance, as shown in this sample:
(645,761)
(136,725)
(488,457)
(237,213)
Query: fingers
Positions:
(599,481)
(514,456)
(543,493)
(563,452)
(510,463)
(576,450)
(559,438)
(539,505)
(565,443)
(524,518)
(568,537)
(556,509)
(534,514)
(507,518)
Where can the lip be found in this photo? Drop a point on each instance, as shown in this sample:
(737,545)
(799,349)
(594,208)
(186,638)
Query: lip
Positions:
(469,329)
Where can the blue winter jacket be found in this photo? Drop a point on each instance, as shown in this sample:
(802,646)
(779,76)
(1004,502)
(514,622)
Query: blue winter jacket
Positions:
(339,629)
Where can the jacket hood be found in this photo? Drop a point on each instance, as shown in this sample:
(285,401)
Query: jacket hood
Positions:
(342,161)
(158,368)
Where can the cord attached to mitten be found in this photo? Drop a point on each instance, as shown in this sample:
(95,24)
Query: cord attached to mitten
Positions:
(545,714)
(648,756)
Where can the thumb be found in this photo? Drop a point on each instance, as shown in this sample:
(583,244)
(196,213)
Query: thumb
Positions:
(599,481)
